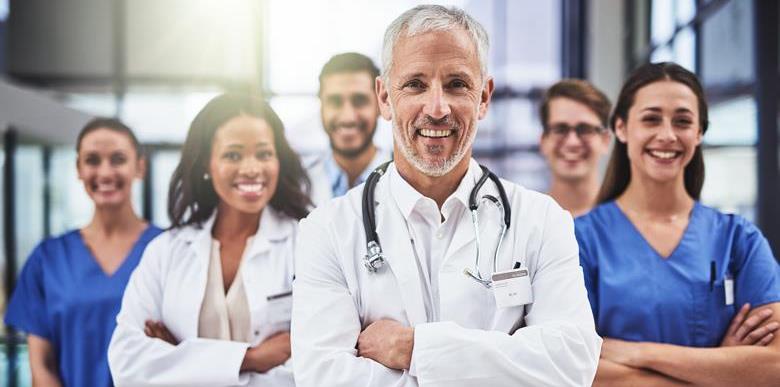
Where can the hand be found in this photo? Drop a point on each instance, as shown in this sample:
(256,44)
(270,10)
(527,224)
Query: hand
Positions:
(388,343)
(156,329)
(271,353)
(751,330)
(622,352)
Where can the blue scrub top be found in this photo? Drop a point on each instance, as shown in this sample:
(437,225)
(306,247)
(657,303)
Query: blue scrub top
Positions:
(637,295)
(64,296)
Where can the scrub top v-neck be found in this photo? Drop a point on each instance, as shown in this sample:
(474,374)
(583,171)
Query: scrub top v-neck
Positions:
(638,295)
(64,296)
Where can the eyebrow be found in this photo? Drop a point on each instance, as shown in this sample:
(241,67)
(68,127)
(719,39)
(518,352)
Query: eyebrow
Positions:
(241,146)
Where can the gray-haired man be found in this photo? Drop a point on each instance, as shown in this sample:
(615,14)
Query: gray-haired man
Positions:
(433,299)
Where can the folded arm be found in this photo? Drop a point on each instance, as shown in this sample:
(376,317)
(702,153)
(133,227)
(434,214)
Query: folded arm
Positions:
(138,360)
(754,365)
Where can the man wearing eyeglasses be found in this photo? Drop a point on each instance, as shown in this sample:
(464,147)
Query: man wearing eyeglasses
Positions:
(574,115)
(349,113)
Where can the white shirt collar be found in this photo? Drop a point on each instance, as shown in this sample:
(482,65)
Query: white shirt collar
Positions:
(407,198)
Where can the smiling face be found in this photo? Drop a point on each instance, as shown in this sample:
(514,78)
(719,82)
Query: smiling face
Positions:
(349,112)
(244,168)
(107,164)
(571,156)
(662,131)
(434,95)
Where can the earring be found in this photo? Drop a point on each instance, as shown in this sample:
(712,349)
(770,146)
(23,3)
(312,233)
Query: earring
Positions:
(206,176)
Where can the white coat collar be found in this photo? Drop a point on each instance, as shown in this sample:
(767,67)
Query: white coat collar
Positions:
(274,227)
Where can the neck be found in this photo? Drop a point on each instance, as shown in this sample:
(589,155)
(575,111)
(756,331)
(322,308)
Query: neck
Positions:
(232,224)
(437,188)
(114,220)
(575,195)
(354,167)
(656,199)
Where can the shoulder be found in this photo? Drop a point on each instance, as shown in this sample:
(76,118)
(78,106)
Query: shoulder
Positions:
(729,226)
(56,246)
(338,209)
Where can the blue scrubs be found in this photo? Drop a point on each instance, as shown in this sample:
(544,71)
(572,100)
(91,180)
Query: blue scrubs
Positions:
(63,296)
(637,295)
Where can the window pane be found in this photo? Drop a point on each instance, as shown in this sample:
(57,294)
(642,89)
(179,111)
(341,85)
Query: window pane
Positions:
(532,42)
(99,104)
(684,49)
(510,122)
(164,163)
(662,21)
(685,11)
(163,115)
(727,45)
(733,122)
(70,205)
(29,200)
(724,167)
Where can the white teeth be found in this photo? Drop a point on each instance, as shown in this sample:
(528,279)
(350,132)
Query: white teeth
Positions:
(435,133)
(106,187)
(253,188)
(663,154)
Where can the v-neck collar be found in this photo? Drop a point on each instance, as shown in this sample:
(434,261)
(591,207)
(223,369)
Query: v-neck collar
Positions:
(91,256)
(686,233)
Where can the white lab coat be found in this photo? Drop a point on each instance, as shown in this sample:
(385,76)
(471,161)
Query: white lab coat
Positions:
(169,285)
(551,342)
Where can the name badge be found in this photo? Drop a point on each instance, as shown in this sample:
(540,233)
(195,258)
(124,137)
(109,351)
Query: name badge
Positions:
(728,288)
(512,288)
(280,308)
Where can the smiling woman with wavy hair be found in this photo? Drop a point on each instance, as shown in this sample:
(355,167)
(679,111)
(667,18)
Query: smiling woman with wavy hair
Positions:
(215,287)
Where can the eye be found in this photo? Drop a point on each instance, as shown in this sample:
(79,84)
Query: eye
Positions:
(458,84)
(265,154)
(683,121)
(359,100)
(414,84)
(231,156)
(92,160)
(334,101)
(118,159)
(651,119)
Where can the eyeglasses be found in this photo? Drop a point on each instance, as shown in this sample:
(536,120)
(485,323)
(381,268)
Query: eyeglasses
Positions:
(582,130)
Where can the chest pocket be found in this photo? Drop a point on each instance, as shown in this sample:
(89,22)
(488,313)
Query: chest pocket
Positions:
(711,314)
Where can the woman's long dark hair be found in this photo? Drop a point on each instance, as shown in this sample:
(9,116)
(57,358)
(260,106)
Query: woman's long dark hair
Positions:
(618,173)
(192,199)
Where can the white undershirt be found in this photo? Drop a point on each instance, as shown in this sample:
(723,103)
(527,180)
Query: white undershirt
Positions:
(430,236)
(224,316)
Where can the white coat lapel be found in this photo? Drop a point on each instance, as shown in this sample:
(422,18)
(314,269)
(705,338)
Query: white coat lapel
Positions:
(199,255)
(399,255)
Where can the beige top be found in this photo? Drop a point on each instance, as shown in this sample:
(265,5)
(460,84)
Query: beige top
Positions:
(224,316)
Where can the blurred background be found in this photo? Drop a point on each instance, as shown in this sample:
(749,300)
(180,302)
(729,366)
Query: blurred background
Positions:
(155,63)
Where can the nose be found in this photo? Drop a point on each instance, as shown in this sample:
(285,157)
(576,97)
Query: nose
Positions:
(105,169)
(250,166)
(571,139)
(666,132)
(437,105)
(347,114)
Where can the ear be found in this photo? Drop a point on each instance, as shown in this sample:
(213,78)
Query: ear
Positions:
(620,130)
(78,168)
(383,97)
(140,167)
(487,94)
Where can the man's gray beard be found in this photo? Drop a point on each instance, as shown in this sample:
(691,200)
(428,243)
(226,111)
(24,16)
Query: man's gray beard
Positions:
(413,158)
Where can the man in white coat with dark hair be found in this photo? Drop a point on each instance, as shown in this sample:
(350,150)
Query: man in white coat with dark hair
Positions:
(439,295)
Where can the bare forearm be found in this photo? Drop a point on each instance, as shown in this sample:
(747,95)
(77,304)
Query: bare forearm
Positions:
(727,366)
(44,376)
(613,374)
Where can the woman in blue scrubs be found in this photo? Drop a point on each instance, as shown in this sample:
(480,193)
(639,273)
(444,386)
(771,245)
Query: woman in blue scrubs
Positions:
(70,289)
(681,292)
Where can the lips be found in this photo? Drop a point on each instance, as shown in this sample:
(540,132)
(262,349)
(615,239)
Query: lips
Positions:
(106,187)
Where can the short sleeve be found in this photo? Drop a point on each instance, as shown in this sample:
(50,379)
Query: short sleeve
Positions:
(588,262)
(757,275)
(27,308)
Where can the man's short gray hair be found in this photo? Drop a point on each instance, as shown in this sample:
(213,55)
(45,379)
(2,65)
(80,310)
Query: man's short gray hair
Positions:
(425,18)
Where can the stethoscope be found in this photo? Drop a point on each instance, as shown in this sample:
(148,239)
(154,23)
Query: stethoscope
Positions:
(374,259)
